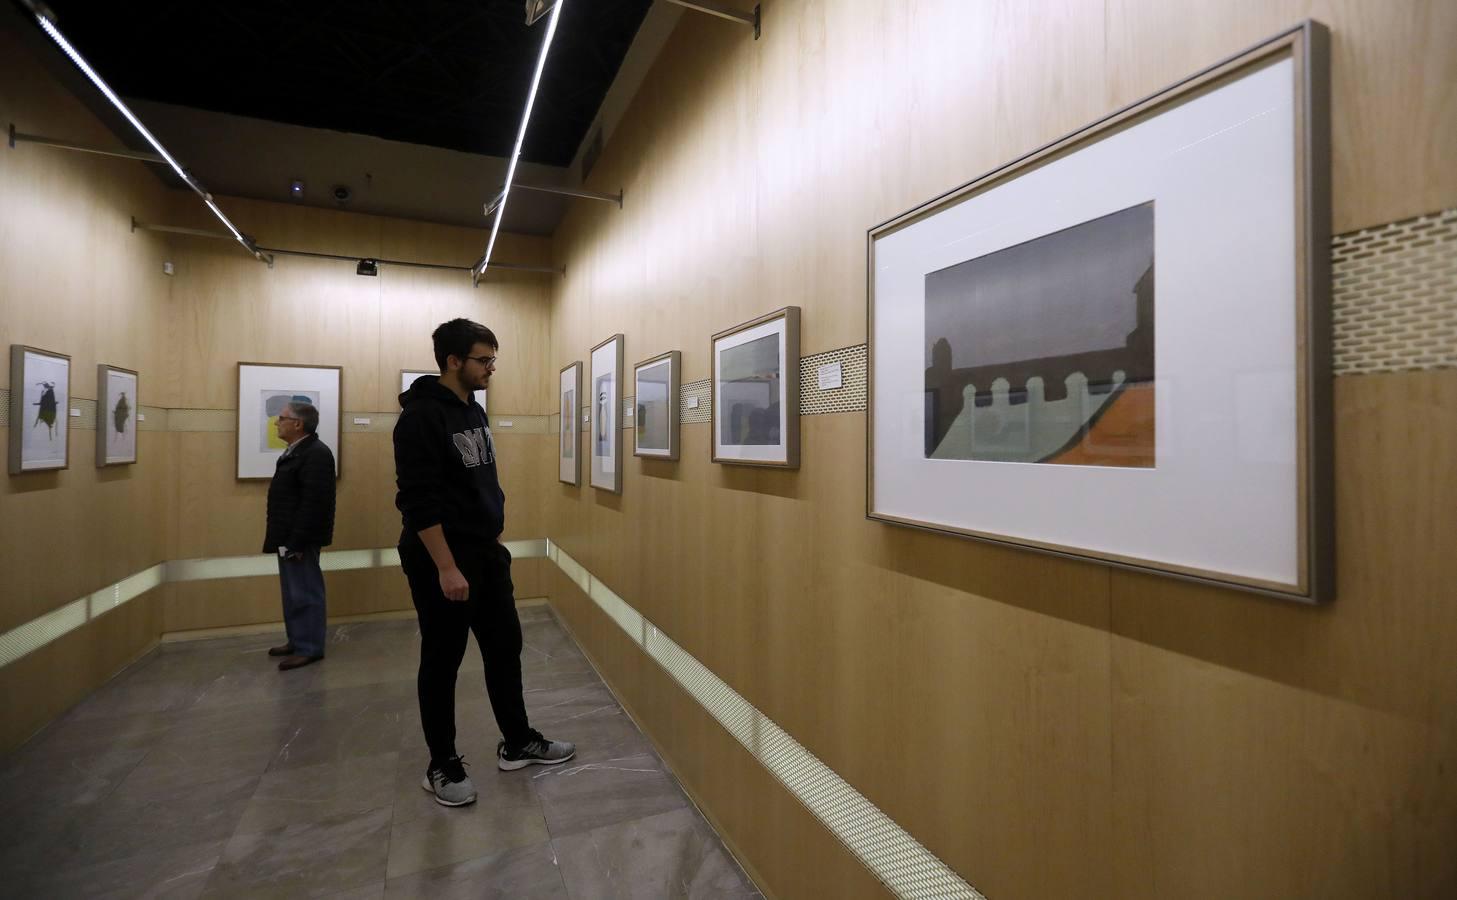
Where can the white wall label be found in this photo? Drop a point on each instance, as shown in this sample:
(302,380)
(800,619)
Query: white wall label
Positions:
(75,413)
(141,417)
(692,402)
(505,423)
(830,377)
(360,421)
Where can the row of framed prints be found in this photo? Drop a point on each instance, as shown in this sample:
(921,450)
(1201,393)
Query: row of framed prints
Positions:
(40,412)
(755,403)
(40,404)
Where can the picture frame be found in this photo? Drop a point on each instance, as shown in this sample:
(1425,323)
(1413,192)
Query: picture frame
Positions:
(604,434)
(755,385)
(1202,384)
(656,386)
(569,431)
(408,376)
(40,410)
(263,390)
(117,405)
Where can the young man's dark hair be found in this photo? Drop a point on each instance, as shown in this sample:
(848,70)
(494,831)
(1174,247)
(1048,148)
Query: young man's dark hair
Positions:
(457,337)
(451,553)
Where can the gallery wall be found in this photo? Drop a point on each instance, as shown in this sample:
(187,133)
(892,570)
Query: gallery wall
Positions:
(1046,727)
(80,281)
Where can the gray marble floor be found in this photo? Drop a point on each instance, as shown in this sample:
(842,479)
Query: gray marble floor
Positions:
(202,771)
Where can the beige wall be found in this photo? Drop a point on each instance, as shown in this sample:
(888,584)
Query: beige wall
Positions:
(1048,728)
(79,281)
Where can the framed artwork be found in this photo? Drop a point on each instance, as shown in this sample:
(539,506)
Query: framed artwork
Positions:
(40,409)
(756,391)
(264,389)
(1117,347)
(117,404)
(655,391)
(605,428)
(569,433)
(408,376)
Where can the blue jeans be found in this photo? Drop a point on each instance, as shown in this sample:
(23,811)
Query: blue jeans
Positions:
(303,602)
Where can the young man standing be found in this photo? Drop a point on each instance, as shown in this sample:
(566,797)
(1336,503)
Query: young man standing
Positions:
(450,550)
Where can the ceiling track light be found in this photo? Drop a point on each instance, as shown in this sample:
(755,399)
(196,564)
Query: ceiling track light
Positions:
(43,18)
(556,14)
(535,9)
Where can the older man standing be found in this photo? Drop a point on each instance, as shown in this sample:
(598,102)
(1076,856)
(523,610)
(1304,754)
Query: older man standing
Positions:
(300,524)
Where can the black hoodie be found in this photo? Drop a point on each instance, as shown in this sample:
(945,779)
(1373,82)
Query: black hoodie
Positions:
(445,466)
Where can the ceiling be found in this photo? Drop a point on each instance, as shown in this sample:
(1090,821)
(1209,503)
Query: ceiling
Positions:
(412,106)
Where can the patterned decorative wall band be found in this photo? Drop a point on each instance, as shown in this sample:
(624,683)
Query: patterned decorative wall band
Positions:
(849,397)
(701,413)
(1394,296)
(902,863)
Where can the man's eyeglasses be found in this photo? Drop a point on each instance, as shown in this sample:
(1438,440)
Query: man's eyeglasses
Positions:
(485,361)
(289,419)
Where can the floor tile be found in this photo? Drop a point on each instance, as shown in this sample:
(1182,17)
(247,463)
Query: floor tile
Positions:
(311,859)
(313,793)
(583,796)
(203,770)
(444,835)
(528,873)
(175,874)
(672,854)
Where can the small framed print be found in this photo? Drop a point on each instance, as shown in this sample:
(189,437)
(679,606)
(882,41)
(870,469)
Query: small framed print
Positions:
(40,409)
(655,400)
(408,376)
(756,391)
(605,433)
(117,405)
(569,434)
(264,389)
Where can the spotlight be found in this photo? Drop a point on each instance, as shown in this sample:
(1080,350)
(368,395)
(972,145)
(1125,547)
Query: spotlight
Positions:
(367,267)
(296,189)
(342,194)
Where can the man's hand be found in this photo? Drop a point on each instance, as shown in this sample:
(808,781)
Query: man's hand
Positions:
(454,586)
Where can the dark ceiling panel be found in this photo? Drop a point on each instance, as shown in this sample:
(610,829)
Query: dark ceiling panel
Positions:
(444,73)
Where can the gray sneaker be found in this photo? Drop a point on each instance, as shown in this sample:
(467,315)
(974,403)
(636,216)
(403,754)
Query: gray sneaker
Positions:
(449,783)
(536,752)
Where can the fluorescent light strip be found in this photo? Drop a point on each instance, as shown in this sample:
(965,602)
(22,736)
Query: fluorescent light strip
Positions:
(25,639)
(901,862)
(521,135)
(116,101)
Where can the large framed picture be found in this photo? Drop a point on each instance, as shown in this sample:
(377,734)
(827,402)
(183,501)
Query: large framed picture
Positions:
(656,383)
(264,389)
(117,404)
(569,433)
(408,376)
(1117,347)
(755,383)
(605,427)
(40,409)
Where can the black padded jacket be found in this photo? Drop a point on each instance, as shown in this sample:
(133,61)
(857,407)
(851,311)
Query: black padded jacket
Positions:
(301,498)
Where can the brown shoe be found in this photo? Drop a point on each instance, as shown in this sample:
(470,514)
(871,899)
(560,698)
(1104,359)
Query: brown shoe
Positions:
(297,662)
(285,650)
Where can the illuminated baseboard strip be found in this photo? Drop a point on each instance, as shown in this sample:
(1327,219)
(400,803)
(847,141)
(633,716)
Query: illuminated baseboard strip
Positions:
(25,639)
(901,862)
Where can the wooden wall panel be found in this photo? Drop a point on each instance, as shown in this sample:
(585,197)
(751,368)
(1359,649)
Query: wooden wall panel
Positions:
(1103,734)
(1392,71)
(1311,747)
(79,282)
